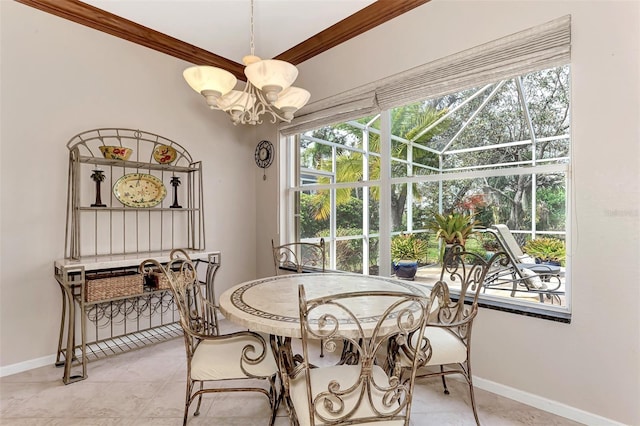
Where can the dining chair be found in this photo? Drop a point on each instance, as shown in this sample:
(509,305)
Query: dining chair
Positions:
(243,357)
(447,336)
(357,393)
(296,257)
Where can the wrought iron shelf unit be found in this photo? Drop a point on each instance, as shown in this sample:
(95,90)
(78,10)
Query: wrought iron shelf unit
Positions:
(107,233)
(137,209)
(136,164)
(139,227)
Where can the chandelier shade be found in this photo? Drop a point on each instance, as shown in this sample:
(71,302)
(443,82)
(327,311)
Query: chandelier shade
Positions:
(211,82)
(271,76)
(291,99)
(268,89)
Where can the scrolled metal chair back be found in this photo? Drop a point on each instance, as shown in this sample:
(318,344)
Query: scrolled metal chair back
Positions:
(197,314)
(370,390)
(467,270)
(299,255)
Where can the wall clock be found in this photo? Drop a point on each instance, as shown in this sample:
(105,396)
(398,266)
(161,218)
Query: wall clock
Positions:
(264,156)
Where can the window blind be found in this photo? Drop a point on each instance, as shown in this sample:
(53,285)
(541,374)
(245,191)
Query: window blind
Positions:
(543,46)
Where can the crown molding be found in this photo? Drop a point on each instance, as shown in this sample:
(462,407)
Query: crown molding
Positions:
(125,29)
(82,13)
(362,21)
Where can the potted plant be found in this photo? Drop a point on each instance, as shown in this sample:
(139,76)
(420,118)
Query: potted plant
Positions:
(489,243)
(406,251)
(546,250)
(453,228)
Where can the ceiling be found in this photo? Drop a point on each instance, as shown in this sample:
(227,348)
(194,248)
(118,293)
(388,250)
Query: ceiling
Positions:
(218,32)
(223,26)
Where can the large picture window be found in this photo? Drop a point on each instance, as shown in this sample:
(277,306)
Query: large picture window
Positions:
(499,151)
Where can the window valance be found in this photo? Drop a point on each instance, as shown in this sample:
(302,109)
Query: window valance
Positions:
(543,46)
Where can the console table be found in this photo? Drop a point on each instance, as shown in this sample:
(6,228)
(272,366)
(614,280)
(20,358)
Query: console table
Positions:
(100,328)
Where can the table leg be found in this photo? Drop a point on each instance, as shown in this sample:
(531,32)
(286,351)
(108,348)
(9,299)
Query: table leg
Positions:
(69,352)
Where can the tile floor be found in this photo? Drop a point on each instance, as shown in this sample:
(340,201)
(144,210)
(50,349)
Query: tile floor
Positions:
(146,387)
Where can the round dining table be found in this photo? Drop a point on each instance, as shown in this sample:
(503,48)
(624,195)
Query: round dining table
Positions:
(270,305)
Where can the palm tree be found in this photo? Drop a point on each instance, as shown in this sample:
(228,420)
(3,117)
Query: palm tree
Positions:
(408,123)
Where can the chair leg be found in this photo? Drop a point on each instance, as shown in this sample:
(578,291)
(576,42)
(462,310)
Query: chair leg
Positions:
(444,381)
(515,285)
(473,402)
(187,402)
(321,348)
(197,412)
(472,393)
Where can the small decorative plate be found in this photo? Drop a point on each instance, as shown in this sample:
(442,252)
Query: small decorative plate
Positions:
(139,190)
(164,154)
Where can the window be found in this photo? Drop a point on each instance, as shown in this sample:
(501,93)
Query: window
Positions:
(496,151)
(368,171)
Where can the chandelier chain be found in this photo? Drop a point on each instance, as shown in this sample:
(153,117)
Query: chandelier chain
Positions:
(251,44)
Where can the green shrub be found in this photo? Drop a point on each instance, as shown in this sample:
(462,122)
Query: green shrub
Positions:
(408,247)
(546,249)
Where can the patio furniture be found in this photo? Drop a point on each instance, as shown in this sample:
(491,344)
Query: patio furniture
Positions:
(523,273)
(512,248)
(364,392)
(447,336)
(244,356)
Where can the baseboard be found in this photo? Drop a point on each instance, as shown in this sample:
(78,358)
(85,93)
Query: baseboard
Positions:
(530,399)
(8,370)
(544,404)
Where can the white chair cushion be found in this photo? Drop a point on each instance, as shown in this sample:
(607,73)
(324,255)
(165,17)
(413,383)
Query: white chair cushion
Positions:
(447,348)
(220,359)
(532,280)
(525,258)
(346,375)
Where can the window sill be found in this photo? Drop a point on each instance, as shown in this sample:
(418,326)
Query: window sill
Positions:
(546,312)
(529,311)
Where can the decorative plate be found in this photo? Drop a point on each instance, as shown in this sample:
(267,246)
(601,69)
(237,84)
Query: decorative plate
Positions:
(139,190)
(164,154)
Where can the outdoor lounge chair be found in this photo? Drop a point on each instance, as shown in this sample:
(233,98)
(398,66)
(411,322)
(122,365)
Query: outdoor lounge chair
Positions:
(523,273)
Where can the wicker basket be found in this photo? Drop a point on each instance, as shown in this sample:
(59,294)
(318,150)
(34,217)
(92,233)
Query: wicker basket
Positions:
(159,280)
(111,286)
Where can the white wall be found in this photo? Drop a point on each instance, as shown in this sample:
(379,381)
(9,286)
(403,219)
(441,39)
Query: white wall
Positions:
(592,364)
(58,79)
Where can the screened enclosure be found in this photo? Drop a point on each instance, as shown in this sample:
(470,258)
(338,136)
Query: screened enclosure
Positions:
(500,152)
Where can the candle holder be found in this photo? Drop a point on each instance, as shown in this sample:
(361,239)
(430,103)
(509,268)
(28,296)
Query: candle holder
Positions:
(175,182)
(98,177)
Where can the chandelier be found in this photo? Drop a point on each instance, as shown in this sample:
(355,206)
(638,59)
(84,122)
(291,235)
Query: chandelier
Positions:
(268,89)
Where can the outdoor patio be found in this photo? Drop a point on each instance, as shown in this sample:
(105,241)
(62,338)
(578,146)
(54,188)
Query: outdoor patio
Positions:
(430,274)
